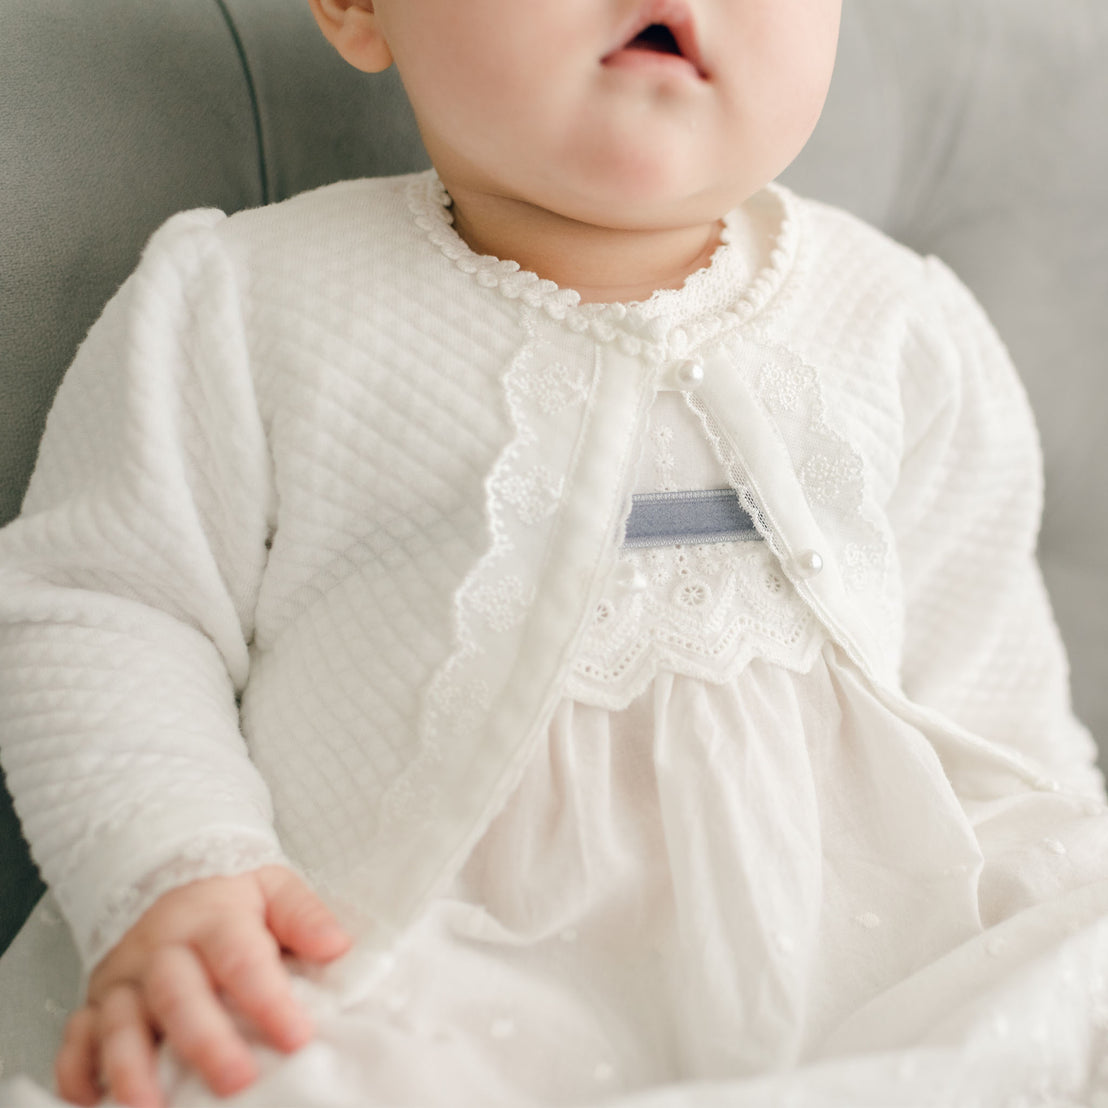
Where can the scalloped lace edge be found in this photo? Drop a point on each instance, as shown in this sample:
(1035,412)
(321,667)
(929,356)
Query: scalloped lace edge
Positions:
(705,613)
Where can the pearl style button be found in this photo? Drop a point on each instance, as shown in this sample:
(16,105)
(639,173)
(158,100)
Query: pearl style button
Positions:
(690,375)
(809,563)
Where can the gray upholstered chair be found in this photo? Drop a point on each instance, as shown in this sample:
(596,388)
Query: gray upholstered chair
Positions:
(974,129)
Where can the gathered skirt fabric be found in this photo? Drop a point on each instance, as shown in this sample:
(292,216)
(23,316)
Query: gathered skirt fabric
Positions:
(759,891)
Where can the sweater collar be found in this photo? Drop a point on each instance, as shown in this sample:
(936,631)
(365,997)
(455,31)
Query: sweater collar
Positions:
(756,252)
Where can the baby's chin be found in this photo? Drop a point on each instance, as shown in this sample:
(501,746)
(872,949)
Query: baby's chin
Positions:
(642,191)
(638,205)
(607,174)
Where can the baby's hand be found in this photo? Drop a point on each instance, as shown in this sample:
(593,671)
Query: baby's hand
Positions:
(167,977)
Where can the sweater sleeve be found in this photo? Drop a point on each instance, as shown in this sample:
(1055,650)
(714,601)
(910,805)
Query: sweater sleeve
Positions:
(127,588)
(981,644)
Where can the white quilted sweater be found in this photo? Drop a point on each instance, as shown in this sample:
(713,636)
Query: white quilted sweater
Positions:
(322,478)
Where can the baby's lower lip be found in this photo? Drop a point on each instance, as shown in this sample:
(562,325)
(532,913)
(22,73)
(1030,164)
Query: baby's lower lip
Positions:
(651,61)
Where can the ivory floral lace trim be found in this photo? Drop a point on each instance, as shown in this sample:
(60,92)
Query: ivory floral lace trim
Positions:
(704,611)
(545,397)
(833,475)
(831,472)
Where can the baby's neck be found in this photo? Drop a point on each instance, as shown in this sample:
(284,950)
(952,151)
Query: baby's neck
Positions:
(603,264)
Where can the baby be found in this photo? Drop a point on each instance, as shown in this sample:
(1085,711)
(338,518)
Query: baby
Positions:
(558,628)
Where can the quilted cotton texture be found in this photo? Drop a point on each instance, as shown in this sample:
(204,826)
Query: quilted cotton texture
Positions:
(283,468)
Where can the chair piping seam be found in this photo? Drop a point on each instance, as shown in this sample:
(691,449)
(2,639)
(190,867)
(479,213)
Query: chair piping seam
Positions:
(252,93)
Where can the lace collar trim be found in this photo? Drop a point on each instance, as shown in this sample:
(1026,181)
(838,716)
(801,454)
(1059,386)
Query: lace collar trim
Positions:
(724,287)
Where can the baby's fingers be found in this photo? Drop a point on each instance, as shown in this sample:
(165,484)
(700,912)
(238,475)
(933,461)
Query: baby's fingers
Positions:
(127,1049)
(299,920)
(194,1021)
(245,963)
(75,1068)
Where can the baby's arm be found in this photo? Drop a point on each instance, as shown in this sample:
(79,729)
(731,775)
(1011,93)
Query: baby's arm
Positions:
(128,591)
(981,644)
(199,948)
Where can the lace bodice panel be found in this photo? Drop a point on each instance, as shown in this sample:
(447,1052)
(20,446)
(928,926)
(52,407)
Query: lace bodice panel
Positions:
(699,609)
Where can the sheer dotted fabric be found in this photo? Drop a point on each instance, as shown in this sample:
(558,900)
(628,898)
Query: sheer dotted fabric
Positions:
(680,894)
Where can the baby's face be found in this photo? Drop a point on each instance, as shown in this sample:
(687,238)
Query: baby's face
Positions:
(625,113)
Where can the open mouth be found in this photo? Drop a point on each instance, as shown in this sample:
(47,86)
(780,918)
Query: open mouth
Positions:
(657,38)
(663,30)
